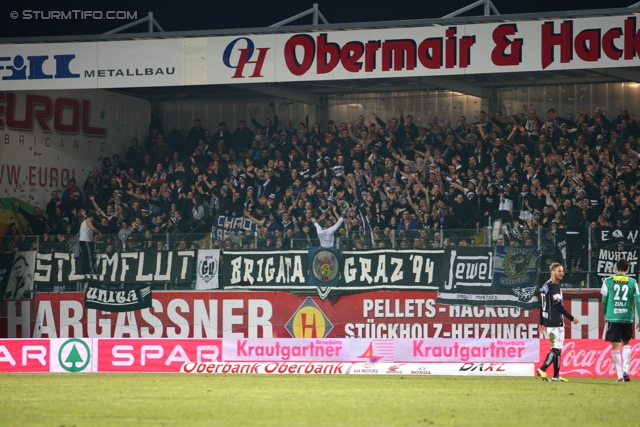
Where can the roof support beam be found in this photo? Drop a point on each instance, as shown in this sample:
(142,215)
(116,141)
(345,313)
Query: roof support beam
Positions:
(280,92)
(630,74)
(456,85)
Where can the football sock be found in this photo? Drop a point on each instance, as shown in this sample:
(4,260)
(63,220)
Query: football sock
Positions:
(550,358)
(556,363)
(618,362)
(626,355)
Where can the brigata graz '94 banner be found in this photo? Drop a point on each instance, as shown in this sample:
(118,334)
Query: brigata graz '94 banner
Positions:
(494,47)
(378,269)
(125,267)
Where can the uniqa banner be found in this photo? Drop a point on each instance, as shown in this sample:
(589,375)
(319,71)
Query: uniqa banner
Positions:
(470,281)
(98,297)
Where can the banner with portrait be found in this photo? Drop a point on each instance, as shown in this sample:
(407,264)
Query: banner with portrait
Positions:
(16,275)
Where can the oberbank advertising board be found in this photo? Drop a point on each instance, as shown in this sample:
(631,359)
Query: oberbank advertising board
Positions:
(597,42)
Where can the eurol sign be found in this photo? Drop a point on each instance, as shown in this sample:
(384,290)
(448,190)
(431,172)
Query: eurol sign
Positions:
(500,47)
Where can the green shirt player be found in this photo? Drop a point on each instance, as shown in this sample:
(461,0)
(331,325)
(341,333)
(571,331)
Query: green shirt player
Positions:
(618,293)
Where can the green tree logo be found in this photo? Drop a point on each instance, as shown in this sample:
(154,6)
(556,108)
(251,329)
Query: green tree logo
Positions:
(74,361)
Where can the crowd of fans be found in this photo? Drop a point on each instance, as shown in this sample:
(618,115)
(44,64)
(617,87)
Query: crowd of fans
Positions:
(389,179)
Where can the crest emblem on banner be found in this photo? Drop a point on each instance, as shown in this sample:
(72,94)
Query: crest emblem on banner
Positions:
(325,266)
(516,264)
(208,269)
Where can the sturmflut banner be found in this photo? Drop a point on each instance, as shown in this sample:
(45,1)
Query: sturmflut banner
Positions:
(471,277)
(126,267)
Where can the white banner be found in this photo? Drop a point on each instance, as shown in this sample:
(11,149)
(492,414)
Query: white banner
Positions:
(50,137)
(207,269)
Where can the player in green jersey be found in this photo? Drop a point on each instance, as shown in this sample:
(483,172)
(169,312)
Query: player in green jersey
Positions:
(618,293)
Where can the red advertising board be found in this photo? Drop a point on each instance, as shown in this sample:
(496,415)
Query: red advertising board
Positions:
(154,355)
(222,314)
(24,355)
(591,358)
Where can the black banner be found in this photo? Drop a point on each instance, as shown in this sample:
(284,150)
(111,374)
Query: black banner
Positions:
(394,268)
(98,297)
(364,270)
(260,269)
(607,236)
(607,261)
(6,264)
(126,267)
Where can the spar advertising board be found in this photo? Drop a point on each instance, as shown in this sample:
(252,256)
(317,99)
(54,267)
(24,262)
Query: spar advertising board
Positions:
(588,358)
(258,314)
(497,47)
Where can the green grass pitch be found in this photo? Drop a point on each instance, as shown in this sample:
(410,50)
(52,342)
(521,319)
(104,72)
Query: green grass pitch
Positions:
(320,400)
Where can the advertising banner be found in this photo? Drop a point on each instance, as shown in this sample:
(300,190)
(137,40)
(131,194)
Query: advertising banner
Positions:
(54,136)
(580,357)
(24,355)
(466,350)
(494,47)
(381,316)
(92,65)
(460,369)
(154,355)
(591,358)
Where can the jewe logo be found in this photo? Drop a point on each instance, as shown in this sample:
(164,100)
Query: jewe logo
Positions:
(16,68)
(246,53)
